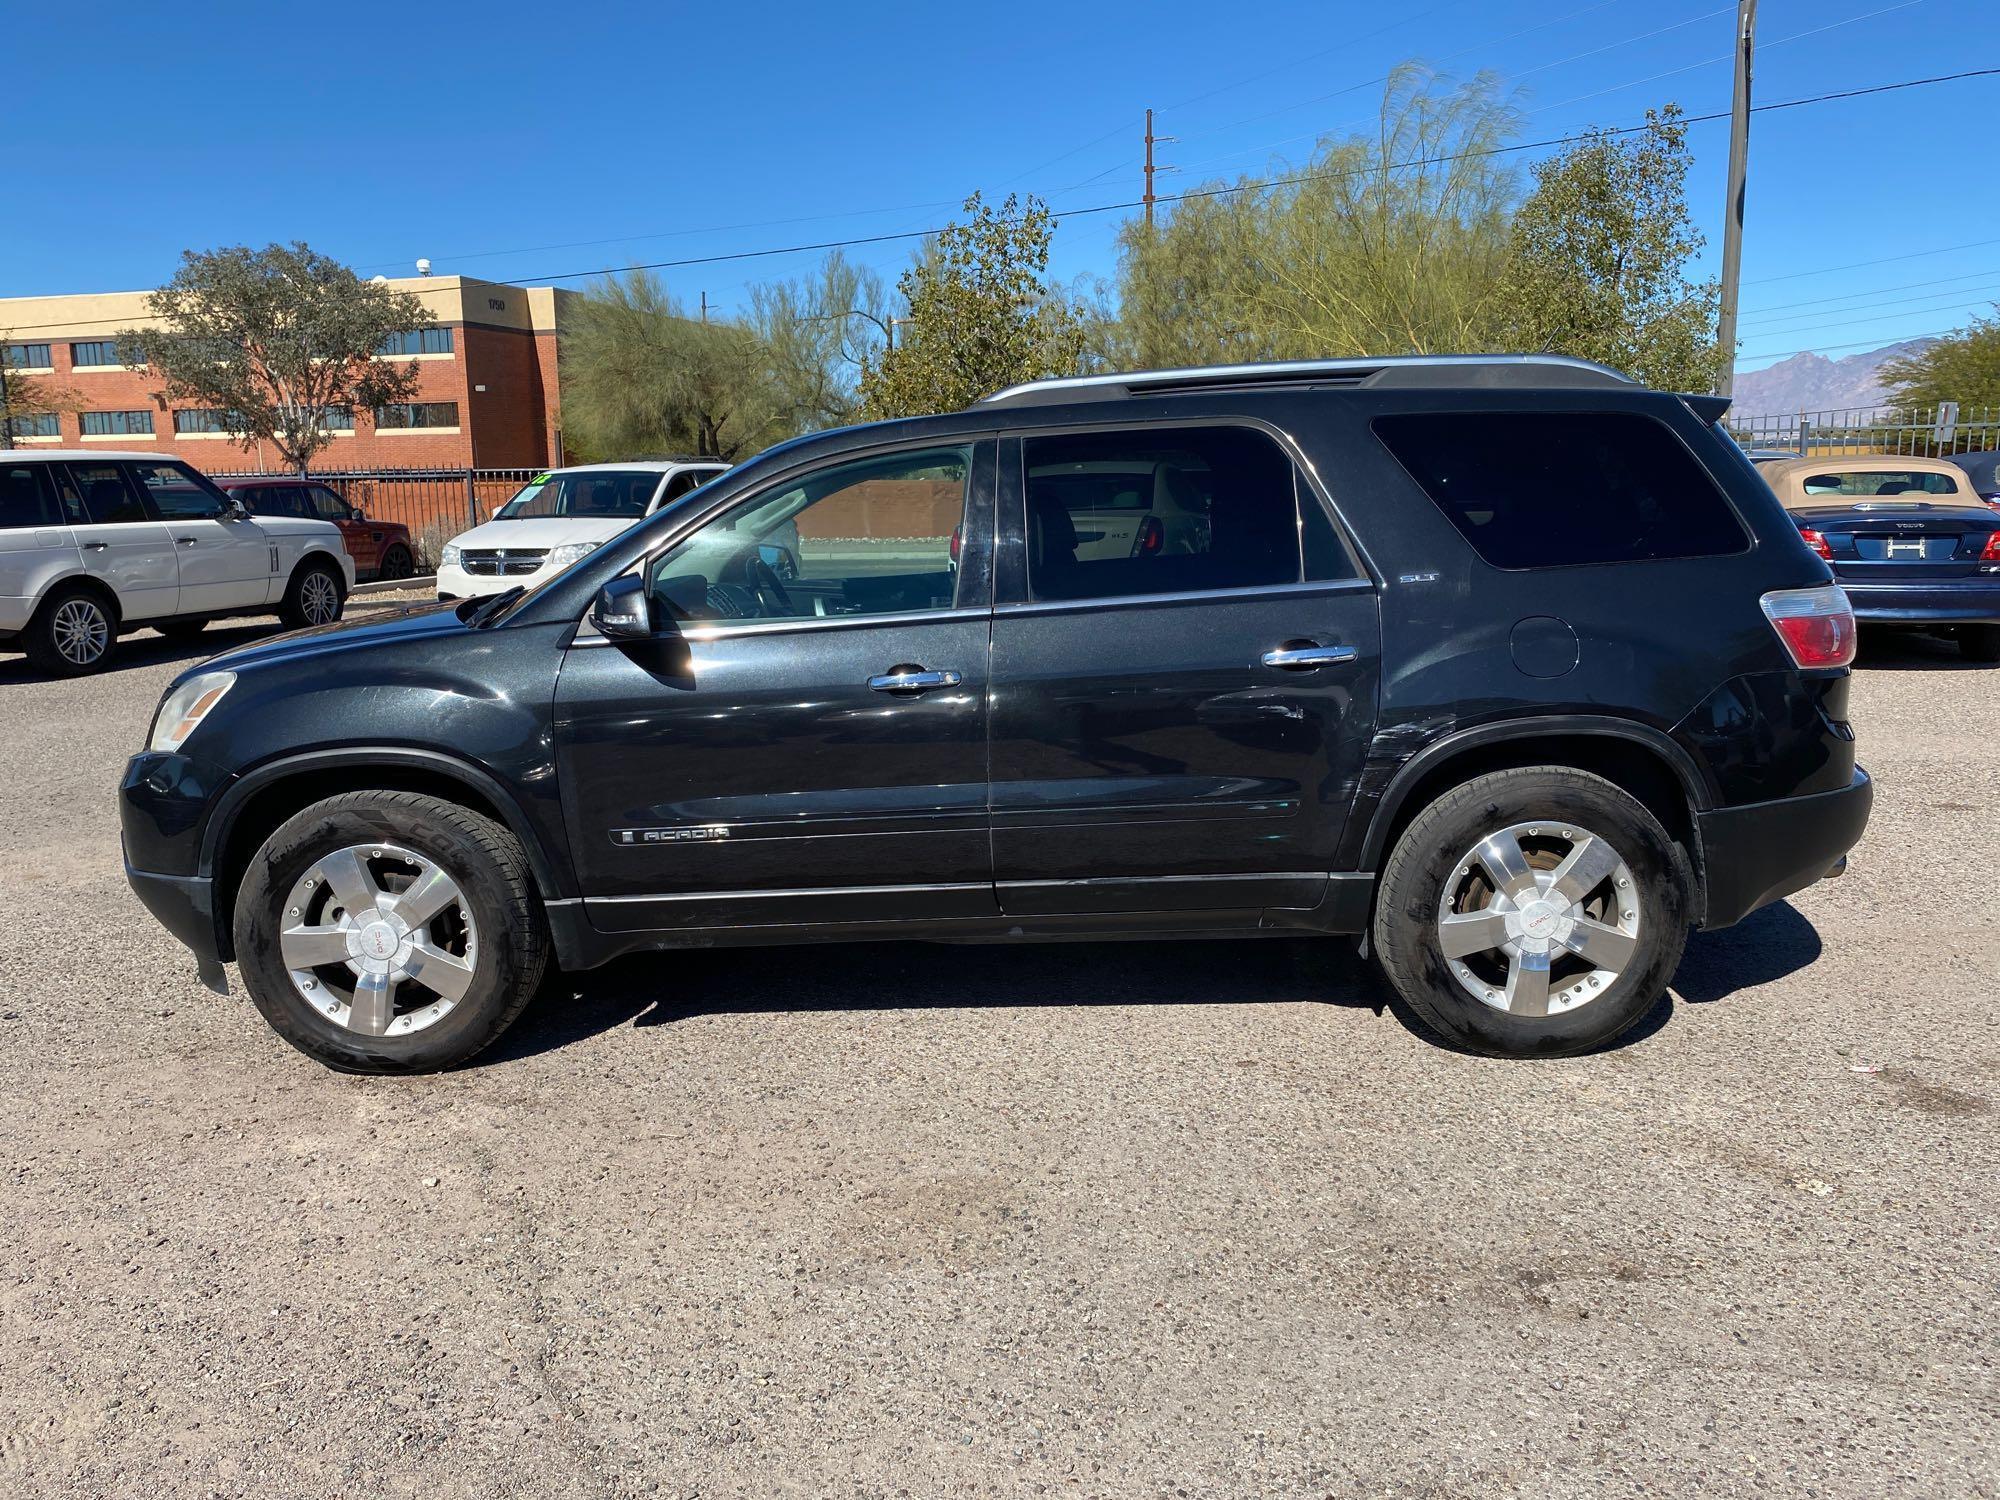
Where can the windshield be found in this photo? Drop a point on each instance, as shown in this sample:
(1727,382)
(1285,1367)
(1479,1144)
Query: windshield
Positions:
(614,494)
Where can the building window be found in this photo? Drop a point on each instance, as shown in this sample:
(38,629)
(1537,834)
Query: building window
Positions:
(201,419)
(97,352)
(25,356)
(416,341)
(338,419)
(407,414)
(40,424)
(117,423)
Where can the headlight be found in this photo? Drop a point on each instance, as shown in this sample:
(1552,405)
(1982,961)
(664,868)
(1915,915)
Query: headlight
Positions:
(569,552)
(449,557)
(180,713)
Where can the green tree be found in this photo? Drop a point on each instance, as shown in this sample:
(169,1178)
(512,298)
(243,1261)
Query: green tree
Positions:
(820,335)
(1382,244)
(1962,367)
(640,375)
(278,338)
(981,316)
(1599,265)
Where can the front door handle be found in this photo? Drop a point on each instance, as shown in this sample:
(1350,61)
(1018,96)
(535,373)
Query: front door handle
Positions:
(95,546)
(913,680)
(187,541)
(1305,655)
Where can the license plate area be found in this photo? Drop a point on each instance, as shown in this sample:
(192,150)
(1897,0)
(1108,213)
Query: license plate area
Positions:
(1907,546)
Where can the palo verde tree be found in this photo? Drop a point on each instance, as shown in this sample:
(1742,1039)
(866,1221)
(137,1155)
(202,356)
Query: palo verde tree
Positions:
(277,338)
(641,375)
(1388,243)
(1963,366)
(981,315)
(820,334)
(1599,263)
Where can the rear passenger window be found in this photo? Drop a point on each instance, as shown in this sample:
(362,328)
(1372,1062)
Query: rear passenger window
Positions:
(107,498)
(26,498)
(1168,511)
(1557,489)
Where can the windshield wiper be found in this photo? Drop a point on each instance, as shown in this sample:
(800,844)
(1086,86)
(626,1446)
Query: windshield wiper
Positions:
(493,604)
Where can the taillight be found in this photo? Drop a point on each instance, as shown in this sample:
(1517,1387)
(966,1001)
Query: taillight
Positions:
(1991,551)
(1817,541)
(957,541)
(1151,538)
(1816,625)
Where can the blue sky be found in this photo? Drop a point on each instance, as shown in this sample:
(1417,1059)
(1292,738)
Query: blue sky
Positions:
(521,142)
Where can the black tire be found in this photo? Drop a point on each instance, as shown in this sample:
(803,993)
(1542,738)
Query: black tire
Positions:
(296,610)
(396,563)
(1979,642)
(491,871)
(179,630)
(1414,882)
(54,637)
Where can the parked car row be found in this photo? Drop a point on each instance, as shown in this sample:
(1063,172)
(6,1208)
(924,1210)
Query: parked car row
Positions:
(1505,666)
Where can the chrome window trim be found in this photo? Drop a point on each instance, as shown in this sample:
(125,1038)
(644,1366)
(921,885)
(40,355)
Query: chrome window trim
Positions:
(811,890)
(1193,596)
(714,632)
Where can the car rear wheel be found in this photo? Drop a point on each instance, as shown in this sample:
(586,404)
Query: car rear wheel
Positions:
(315,596)
(1979,642)
(72,634)
(1532,912)
(389,932)
(396,563)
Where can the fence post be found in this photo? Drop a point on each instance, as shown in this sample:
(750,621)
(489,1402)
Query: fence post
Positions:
(471,501)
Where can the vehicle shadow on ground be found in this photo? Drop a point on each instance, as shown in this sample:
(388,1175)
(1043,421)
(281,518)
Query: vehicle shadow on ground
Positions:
(658,989)
(1764,947)
(1911,651)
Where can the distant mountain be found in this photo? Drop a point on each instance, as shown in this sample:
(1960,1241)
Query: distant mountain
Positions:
(1812,382)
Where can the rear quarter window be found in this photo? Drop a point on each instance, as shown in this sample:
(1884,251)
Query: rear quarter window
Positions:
(27,498)
(1562,489)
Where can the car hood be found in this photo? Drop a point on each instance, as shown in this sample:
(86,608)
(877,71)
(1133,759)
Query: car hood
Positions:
(294,526)
(543,532)
(413,622)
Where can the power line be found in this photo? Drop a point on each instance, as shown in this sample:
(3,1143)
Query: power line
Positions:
(1941,299)
(1874,343)
(1856,265)
(1879,291)
(1244,187)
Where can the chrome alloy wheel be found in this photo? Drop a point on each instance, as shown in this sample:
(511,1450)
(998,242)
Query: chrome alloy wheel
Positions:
(1538,918)
(82,631)
(367,921)
(319,599)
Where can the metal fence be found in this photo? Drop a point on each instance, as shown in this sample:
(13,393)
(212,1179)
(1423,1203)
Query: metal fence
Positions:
(436,504)
(1936,432)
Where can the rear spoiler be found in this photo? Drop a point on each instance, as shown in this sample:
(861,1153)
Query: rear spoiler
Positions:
(1708,408)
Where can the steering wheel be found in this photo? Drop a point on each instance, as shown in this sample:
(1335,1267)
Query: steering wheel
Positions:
(766,581)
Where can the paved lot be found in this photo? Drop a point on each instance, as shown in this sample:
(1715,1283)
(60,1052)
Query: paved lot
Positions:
(1181,1219)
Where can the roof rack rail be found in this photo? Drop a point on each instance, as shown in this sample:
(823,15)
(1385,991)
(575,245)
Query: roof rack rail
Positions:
(1493,371)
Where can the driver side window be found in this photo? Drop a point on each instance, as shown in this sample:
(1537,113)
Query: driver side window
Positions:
(872,537)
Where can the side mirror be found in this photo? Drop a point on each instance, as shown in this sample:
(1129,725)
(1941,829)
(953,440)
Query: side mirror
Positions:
(355,513)
(779,560)
(622,611)
(233,509)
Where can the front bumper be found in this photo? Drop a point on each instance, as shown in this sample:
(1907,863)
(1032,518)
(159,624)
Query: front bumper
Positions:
(185,906)
(1971,601)
(456,583)
(1764,851)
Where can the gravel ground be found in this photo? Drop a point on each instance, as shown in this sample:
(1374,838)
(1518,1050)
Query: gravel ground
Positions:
(1183,1219)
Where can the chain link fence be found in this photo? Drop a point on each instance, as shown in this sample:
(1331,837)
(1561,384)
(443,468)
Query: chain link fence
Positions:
(436,504)
(1932,432)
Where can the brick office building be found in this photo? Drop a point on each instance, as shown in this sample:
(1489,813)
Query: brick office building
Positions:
(487,394)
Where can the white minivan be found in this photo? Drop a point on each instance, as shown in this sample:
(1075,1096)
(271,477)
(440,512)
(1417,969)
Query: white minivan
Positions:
(561,516)
(94,543)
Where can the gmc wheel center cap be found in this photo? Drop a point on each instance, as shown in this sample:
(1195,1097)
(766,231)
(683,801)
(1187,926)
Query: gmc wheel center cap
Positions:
(378,940)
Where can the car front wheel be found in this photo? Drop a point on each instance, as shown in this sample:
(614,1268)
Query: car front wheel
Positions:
(315,596)
(389,932)
(72,634)
(1537,911)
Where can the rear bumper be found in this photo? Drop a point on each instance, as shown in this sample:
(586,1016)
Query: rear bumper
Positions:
(1764,851)
(1973,601)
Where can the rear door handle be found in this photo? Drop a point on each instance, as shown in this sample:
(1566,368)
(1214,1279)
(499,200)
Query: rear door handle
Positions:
(187,541)
(95,546)
(913,680)
(1304,657)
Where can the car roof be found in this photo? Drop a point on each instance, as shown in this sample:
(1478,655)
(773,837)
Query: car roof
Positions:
(657,465)
(73,455)
(1787,478)
(262,481)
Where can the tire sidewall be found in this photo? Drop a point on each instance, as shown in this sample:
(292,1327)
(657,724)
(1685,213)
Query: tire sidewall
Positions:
(263,901)
(294,607)
(1407,935)
(41,642)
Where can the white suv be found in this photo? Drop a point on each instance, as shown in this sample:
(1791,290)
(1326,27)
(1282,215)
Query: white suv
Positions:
(561,516)
(95,543)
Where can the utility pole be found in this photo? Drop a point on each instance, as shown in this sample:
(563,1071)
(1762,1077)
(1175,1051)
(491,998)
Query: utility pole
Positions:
(1149,169)
(1739,163)
(704,309)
